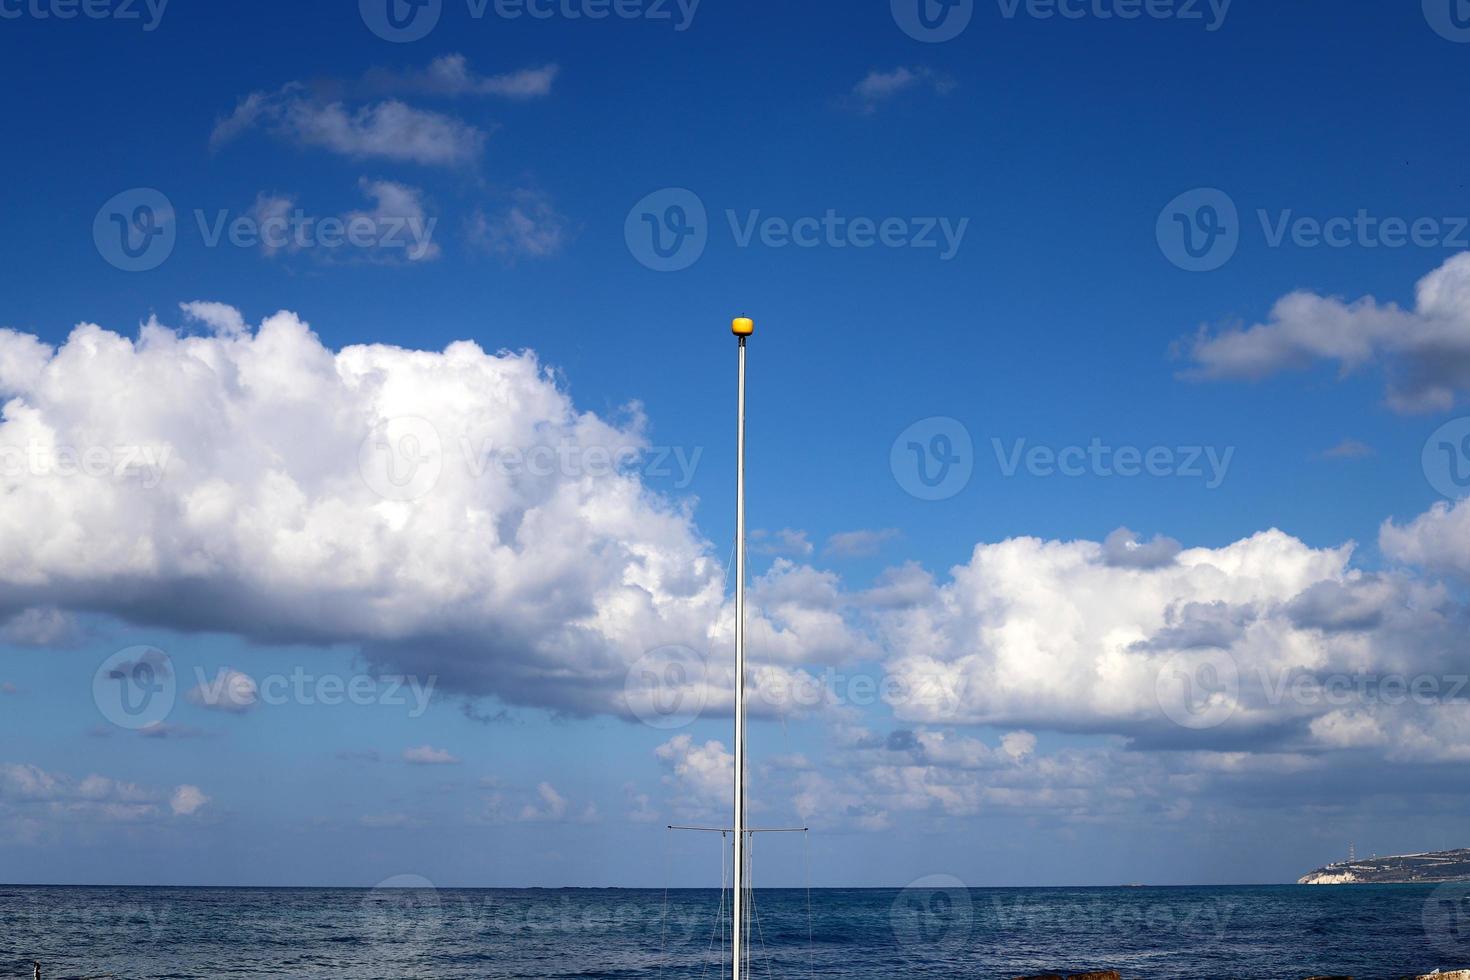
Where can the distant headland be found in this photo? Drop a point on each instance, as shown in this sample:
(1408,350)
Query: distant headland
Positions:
(1401,869)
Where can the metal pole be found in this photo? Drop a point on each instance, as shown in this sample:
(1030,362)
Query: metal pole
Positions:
(742,328)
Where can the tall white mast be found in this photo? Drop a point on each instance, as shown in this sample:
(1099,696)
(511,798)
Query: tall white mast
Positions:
(742,328)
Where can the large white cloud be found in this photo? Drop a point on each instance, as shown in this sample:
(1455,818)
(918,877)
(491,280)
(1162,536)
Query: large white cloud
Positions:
(1426,350)
(452,512)
(1057,635)
(1438,539)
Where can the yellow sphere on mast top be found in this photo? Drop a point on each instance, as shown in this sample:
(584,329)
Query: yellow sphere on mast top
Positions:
(743,326)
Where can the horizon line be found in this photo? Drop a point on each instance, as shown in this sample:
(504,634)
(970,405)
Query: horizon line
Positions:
(656,888)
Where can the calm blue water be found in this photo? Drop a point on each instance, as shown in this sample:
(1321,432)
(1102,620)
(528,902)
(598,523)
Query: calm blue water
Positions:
(926,930)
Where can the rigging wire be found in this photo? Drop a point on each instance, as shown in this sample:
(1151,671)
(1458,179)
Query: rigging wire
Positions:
(756,915)
(806,853)
(663,941)
(782,716)
(717,927)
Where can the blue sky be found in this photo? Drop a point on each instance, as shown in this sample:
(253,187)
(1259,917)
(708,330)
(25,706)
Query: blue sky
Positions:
(504,169)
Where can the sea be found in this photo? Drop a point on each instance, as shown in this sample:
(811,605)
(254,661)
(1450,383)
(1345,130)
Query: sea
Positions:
(934,928)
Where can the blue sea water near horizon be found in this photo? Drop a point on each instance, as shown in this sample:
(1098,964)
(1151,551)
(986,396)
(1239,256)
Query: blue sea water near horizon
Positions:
(934,928)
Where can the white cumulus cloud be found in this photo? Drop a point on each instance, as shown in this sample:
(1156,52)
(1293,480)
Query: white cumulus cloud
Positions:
(700,775)
(428,755)
(879,86)
(1425,351)
(396,228)
(451,75)
(187,801)
(1438,539)
(388,130)
(529,227)
(517,558)
(1064,635)
(27,789)
(229,690)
